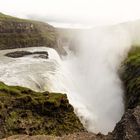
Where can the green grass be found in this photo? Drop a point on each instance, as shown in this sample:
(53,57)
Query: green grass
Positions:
(23,111)
(131,78)
(5,17)
(20,33)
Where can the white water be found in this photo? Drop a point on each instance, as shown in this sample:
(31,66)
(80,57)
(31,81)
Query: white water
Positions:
(35,73)
(90,78)
(95,71)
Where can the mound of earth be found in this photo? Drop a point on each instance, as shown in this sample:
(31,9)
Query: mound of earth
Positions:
(23,111)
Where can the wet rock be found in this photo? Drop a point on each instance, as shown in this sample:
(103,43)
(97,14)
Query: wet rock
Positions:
(41,56)
(17,54)
(129,126)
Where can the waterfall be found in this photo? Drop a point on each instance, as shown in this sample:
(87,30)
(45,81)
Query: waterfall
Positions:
(89,77)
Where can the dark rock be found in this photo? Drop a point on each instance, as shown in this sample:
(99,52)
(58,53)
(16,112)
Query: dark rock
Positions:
(41,56)
(17,54)
(129,126)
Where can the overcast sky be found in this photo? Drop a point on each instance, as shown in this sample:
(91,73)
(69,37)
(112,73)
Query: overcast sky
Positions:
(87,12)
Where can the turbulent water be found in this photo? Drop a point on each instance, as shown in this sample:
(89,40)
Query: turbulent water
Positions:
(29,71)
(89,77)
(94,71)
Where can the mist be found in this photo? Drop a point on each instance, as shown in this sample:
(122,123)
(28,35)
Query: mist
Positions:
(96,90)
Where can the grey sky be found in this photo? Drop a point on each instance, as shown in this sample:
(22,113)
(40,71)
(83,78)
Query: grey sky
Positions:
(94,12)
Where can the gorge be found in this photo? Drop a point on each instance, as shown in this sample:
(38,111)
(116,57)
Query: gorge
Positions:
(93,77)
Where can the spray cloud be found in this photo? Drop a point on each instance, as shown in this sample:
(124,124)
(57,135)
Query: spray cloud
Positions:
(94,72)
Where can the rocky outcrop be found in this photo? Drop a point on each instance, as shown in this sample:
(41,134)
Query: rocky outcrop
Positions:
(129,126)
(23,111)
(131,78)
(20,33)
(17,54)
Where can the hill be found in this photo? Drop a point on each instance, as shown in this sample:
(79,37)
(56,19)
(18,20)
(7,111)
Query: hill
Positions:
(21,33)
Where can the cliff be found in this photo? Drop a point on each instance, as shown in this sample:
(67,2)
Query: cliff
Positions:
(129,126)
(21,33)
(131,78)
(23,111)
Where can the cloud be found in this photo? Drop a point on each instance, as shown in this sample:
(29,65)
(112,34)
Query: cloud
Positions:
(84,11)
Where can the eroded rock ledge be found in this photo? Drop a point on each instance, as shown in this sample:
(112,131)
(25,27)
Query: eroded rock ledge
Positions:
(23,111)
(129,126)
(22,33)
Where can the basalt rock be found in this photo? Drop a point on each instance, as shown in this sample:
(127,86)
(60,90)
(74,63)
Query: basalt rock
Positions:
(17,54)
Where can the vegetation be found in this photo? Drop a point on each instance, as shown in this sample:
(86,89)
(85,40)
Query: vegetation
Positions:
(131,78)
(20,33)
(23,111)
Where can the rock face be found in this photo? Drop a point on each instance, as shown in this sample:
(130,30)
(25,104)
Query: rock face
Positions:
(20,33)
(23,111)
(131,78)
(129,126)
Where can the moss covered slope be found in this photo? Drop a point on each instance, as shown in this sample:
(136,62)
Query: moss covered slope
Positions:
(16,33)
(131,78)
(128,128)
(23,111)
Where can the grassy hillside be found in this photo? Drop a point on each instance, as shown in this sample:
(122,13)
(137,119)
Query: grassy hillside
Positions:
(19,33)
(128,128)
(131,78)
(23,111)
